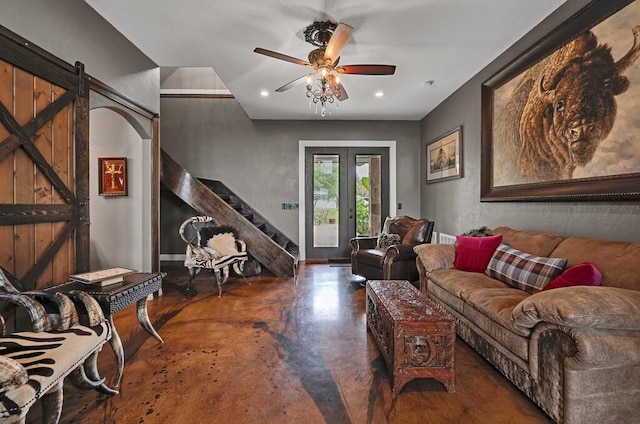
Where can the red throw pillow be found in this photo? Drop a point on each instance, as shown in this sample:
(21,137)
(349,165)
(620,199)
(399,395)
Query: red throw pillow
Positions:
(584,274)
(474,253)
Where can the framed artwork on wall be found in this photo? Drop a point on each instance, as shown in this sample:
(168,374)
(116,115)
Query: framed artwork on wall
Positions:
(560,122)
(112,176)
(444,157)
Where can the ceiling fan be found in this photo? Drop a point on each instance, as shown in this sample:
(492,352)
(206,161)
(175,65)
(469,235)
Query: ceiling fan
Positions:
(329,39)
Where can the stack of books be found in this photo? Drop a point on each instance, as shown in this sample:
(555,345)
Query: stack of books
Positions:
(103,277)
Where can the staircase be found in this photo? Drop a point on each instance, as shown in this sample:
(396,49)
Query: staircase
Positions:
(265,243)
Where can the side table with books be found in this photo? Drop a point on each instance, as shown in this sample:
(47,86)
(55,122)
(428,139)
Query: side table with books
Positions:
(134,287)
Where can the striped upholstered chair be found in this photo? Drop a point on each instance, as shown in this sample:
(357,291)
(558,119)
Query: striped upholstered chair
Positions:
(63,342)
(214,247)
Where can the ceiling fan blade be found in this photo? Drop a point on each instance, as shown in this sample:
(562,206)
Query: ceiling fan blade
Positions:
(367,69)
(338,88)
(281,56)
(293,83)
(343,93)
(337,41)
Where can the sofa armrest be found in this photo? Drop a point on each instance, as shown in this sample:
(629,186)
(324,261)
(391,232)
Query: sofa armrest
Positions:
(581,307)
(399,260)
(361,243)
(401,252)
(580,349)
(435,256)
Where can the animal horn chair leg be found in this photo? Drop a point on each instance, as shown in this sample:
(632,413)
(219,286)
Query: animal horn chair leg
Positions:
(52,404)
(80,379)
(90,368)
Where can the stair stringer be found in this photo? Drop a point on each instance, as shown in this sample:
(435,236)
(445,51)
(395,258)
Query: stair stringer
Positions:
(197,195)
(252,215)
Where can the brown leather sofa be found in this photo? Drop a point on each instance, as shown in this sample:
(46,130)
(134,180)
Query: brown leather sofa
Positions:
(575,351)
(398,262)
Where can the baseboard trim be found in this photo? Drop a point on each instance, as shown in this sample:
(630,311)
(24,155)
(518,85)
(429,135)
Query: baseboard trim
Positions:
(172,257)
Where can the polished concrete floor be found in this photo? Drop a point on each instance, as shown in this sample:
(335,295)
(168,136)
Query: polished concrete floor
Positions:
(278,350)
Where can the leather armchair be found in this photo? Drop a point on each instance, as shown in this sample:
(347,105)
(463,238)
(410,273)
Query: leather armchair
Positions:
(398,262)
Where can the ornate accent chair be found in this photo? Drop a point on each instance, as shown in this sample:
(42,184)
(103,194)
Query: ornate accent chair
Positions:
(64,339)
(214,247)
(390,256)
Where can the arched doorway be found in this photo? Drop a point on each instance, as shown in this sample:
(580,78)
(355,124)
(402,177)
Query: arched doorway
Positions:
(120,229)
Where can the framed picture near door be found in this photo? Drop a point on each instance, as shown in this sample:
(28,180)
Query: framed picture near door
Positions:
(112,176)
(444,157)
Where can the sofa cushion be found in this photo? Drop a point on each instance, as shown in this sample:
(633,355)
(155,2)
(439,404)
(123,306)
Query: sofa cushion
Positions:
(452,301)
(387,240)
(539,244)
(581,306)
(616,260)
(507,340)
(371,257)
(584,274)
(461,283)
(522,270)
(473,253)
(498,304)
(491,310)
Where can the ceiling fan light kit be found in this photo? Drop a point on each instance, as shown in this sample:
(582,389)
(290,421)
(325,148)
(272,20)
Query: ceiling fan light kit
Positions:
(323,84)
(327,90)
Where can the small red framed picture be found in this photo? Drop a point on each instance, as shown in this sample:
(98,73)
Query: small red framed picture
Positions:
(113,176)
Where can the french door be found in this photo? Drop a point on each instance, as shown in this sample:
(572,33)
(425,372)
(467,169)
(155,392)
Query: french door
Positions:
(348,190)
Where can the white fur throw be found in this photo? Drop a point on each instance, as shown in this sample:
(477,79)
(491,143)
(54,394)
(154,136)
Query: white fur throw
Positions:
(224,244)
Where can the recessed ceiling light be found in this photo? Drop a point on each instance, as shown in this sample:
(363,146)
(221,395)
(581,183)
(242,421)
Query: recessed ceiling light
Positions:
(379,94)
(264,93)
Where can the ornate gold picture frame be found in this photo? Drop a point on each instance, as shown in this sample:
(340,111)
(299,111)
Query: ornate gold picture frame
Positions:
(113,176)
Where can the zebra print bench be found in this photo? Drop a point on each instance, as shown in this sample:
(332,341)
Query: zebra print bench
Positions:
(64,342)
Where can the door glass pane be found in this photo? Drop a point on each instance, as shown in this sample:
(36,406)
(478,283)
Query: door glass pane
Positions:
(326,194)
(368,195)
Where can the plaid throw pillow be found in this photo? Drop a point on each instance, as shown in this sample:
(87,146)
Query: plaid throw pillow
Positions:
(523,270)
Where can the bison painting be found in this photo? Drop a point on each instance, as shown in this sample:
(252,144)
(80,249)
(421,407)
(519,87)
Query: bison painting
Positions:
(561,110)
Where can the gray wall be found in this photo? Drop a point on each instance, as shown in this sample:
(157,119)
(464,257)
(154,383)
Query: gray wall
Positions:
(455,205)
(118,236)
(214,139)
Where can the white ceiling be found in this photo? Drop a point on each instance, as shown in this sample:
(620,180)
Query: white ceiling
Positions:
(444,41)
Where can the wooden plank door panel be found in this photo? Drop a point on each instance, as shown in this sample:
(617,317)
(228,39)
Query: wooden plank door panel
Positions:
(43,132)
(24,178)
(43,189)
(6,168)
(62,140)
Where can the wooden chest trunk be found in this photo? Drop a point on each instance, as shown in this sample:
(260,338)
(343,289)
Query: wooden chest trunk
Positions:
(416,336)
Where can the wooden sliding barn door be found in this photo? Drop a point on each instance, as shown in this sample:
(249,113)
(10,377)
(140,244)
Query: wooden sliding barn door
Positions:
(44,169)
